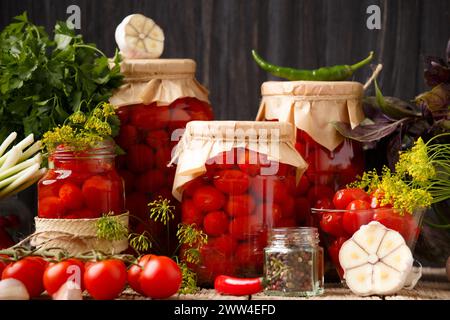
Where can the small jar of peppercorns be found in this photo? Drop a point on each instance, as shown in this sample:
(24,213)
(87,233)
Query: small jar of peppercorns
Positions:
(293,262)
(236,180)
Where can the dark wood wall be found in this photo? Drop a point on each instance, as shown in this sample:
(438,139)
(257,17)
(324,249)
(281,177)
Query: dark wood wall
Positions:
(219,35)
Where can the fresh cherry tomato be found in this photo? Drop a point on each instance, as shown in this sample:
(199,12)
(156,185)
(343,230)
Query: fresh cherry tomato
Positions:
(140,158)
(134,272)
(71,196)
(50,208)
(404,224)
(238,286)
(359,214)
(59,273)
(324,203)
(215,223)
(232,182)
(190,213)
(160,278)
(240,205)
(343,197)
(208,198)
(105,280)
(331,223)
(29,271)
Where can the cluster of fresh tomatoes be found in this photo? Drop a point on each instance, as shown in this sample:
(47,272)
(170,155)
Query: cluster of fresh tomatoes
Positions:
(235,204)
(157,277)
(351,208)
(145,135)
(328,171)
(80,187)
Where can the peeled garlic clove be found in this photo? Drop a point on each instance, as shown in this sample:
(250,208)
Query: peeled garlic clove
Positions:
(13,289)
(376,260)
(68,291)
(139,37)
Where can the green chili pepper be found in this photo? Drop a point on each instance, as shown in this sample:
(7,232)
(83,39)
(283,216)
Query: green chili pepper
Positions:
(333,73)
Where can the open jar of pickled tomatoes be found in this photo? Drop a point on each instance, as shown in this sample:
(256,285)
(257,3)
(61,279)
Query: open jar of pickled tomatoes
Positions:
(312,107)
(237,180)
(159,98)
(81,184)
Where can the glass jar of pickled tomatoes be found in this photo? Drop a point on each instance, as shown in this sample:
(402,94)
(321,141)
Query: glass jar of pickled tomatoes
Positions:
(313,107)
(237,181)
(81,184)
(159,98)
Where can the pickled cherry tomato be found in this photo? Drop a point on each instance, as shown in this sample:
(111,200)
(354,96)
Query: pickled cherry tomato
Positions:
(151,181)
(150,117)
(271,213)
(102,195)
(71,196)
(190,213)
(240,205)
(124,115)
(178,119)
(127,137)
(251,162)
(318,192)
(224,244)
(190,187)
(249,256)
(208,198)
(157,138)
(268,188)
(302,209)
(302,186)
(359,214)
(331,223)
(84,213)
(324,203)
(215,223)
(140,158)
(223,161)
(242,227)
(50,208)
(232,182)
(288,207)
(344,196)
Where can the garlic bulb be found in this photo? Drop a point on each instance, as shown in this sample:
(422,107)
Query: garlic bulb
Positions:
(139,37)
(376,260)
(13,289)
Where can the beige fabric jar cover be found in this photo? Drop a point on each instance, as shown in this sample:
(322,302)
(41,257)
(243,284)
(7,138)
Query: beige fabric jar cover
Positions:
(312,106)
(158,80)
(203,140)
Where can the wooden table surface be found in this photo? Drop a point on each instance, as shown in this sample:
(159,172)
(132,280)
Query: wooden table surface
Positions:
(433,285)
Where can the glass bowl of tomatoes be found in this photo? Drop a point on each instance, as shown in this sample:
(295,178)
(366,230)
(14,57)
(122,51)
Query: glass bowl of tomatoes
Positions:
(338,219)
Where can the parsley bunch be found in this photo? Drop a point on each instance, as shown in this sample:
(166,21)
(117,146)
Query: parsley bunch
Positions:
(43,80)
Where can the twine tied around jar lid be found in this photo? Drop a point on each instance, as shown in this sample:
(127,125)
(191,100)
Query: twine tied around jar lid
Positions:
(74,236)
(158,80)
(312,106)
(203,140)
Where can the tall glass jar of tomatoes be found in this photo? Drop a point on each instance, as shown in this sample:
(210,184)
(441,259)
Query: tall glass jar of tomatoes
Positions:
(313,108)
(159,98)
(237,180)
(81,184)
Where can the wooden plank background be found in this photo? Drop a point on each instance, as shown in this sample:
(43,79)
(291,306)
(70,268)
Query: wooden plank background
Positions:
(219,35)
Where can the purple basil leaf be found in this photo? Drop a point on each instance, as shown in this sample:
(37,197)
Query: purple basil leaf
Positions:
(436,71)
(393,148)
(369,132)
(437,98)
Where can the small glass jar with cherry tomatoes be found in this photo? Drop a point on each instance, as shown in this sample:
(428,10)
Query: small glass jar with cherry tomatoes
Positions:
(314,107)
(351,208)
(236,183)
(81,184)
(160,97)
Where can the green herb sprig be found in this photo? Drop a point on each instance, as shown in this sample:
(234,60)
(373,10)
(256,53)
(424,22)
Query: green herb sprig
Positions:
(43,80)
